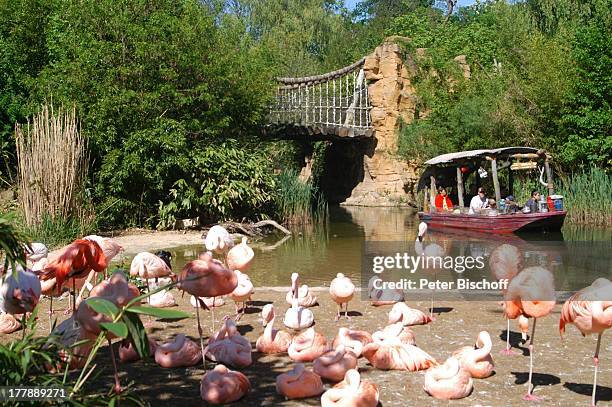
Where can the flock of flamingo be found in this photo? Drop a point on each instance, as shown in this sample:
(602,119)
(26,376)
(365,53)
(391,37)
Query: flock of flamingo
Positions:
(530,294)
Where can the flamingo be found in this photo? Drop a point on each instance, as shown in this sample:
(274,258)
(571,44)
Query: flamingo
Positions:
(209,302)
(299,383)
(432,250)
(222,385)
(218,240)
(381,296)
(351,392)
(590,310)
(127,353)
(401,312)
(272,340)
(8,324)
(341,291)
(392,354)
(206,277)
(148,265)
(19,293)
(68,333)
(240,256)
(297,317)
(305,298)
(523,323)
(531,294)
(242,293)
(352,340)
(505,263)
(397,330)
(307,346)
(181,352)
(227,346)
(333,364)
(448,381)
(37,255)
(110,248)
(163,298)
(477,359)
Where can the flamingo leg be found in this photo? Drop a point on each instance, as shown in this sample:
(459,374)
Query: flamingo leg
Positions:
(50,311)
(338,312)
(112,352)
(201,338)
(508,351)
(596,364)
(529,396)
(346,312)
(212,313)
(73,295)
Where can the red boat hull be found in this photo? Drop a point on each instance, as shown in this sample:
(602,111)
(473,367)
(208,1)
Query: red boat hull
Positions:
(517,222)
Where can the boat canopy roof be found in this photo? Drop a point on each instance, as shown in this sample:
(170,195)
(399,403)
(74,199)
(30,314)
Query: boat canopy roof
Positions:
(463,156)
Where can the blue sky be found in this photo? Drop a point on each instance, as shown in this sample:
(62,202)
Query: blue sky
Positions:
(351,3)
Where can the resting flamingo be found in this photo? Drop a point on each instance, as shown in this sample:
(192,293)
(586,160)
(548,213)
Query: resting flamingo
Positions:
(401,312)
(590,310)
(531,294)
(392,354)
(505,263)
(432,250)
(19,293)
(477,359)
(353,340)
(341,291)
(351,392)
(222,385)
(8,324)
(297,317)
(37,254)
(272,340)
(206,277)
(181,352)
(304,296)
(448,381)
(163,298)
(209,302)
(397,330)
(240,256)
(333,364)
(127,353)
(227,346)
(307,346)
(242,293)
(299,383)
(68,333)
(383,296)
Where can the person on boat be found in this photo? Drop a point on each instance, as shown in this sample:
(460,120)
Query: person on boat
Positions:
(532,203)
(478,202)
(511,205)
(443,202)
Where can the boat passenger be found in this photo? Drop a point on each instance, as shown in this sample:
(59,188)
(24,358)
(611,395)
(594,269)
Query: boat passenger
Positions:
(511,205)
(478,202)
(443,202)
(532,203)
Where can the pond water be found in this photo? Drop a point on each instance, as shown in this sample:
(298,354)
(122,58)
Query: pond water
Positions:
(576,256)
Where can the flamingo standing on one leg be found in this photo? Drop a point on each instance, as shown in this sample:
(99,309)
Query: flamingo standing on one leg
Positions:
(240,256)
(531,294)
(505,263)
(431,251)
(110,248)
(590,310)
(341,291)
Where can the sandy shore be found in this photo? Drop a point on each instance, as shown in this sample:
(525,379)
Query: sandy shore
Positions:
(563,368)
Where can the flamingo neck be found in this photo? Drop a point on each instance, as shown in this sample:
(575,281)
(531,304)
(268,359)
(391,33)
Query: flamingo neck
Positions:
(483,346)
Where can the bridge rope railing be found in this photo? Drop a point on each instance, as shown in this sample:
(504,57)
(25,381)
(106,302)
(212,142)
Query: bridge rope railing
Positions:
(337,99)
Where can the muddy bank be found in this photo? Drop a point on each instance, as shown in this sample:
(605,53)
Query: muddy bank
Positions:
(563,368)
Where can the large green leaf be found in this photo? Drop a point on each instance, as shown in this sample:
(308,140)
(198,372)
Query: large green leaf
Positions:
(138,334)
(159,312)
(103,306)
(119,329)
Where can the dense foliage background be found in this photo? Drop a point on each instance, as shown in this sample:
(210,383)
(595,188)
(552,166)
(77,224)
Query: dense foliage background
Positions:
(171,93)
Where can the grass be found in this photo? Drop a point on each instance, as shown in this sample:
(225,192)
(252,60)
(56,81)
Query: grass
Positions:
(56,231)
(298,202)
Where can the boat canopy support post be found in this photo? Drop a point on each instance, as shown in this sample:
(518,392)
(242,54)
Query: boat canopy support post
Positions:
(460,186)
(495,179)
(549,179)
(510,182)
(432,193)
(425,199)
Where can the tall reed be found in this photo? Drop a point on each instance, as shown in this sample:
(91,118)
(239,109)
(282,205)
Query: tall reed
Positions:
(298,202)
(52,168)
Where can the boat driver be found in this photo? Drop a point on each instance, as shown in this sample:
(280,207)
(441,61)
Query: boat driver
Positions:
(478,202)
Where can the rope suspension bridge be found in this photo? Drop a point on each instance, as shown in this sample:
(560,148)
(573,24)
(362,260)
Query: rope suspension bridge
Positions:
(327,106)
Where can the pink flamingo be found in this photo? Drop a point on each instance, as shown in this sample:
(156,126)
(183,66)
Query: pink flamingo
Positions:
(163,298)
(531,294)
(181,352)
(304,297)
(505,263)
(341,291)
(37,256)
(380,297)
(477,359)
(147,265)
(590,310)
(307,346)
(19,293)
(222,385)
(448,381)
(297,317)
(351,392)
(299,383)
(242,293)
(68,333)
(110,248)
(431,251)
(352,340)
(218,240)
(333,364)
(240,256)
(272,340)
(127,353)
(392,354)
(206,277)
(401,312)
(227,346)
(8,324)
(397,330)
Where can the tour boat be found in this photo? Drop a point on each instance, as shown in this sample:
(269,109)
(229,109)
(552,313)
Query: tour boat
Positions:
(450,170)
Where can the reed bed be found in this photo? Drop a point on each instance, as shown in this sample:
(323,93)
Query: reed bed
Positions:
(52,167)
(299,202)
